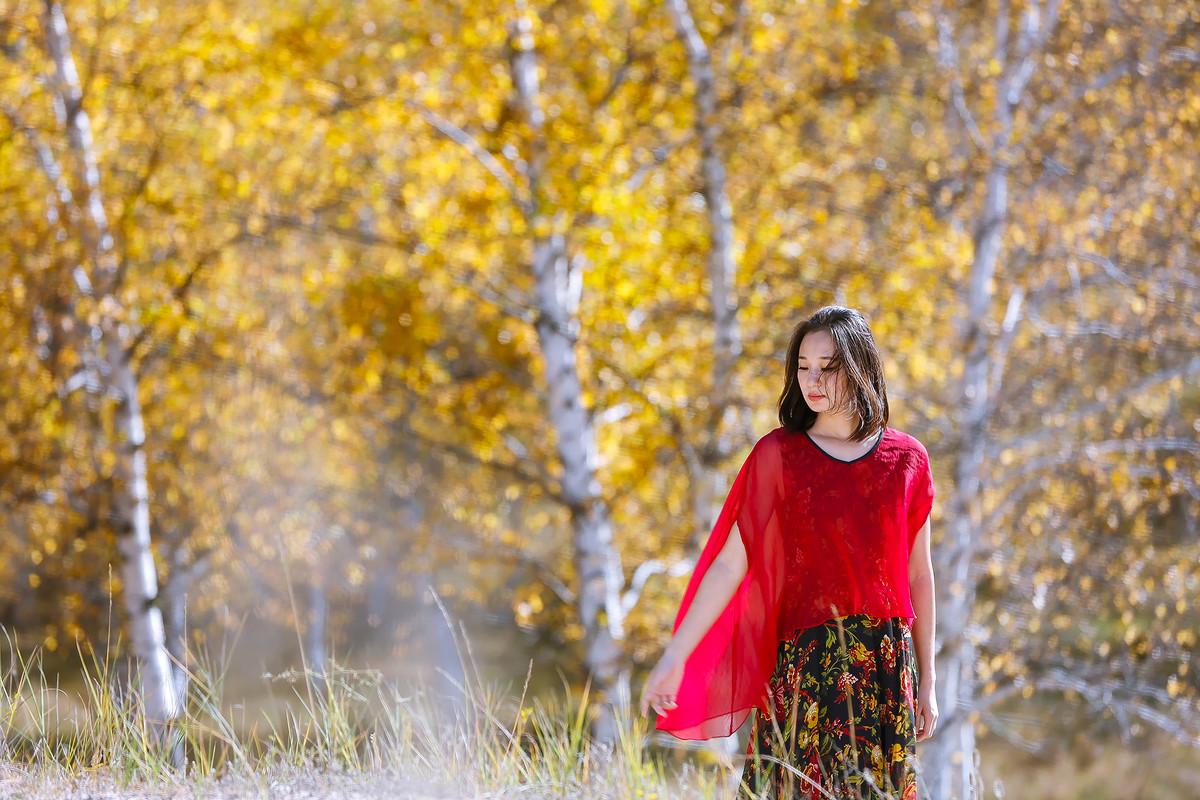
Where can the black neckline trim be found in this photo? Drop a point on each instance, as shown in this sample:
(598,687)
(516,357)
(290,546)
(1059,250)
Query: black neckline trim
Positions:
(820,449)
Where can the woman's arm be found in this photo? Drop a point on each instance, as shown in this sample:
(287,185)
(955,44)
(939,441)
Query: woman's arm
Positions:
(720,582)
(724,575)
(921,590)
(920,585)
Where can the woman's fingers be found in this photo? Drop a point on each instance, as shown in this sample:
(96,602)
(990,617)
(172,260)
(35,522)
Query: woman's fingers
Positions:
(924,723)
(649,700)
(658,692)
(660,703)
(650,693)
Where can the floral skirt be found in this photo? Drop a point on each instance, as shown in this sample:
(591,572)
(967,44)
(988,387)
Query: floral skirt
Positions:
(843,715)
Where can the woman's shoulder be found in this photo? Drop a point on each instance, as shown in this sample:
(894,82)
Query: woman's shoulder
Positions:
(772,439)
(908,445)
(906,440)
(768,448)
(772,435)
(897,440)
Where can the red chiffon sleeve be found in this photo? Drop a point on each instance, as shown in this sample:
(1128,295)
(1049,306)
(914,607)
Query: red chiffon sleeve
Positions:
(919,495)
(725,676)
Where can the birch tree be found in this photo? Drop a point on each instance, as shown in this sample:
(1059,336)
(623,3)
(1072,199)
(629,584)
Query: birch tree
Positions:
(995,305)
(706,459)
(558,282)
(108,373)
(488,272)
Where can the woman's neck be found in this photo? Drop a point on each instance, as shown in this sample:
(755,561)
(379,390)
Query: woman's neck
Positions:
(834,426)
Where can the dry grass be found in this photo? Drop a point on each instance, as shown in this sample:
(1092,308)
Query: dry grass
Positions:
(282,785)
(341,733)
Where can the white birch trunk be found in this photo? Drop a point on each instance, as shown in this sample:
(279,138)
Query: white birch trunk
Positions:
(441,643)
(558,284)
(107,350)
(438,634)
(316,631)
(727,341)
(948,759)
(709,483)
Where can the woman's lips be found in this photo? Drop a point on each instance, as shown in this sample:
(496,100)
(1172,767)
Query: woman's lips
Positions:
(815,396)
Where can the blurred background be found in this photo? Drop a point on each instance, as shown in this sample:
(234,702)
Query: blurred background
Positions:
(313,311)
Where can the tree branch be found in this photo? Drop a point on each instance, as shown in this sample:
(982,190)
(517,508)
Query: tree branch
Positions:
(480,153)
(1049,434)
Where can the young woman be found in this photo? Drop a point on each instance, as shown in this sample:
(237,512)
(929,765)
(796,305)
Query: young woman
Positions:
(819,613)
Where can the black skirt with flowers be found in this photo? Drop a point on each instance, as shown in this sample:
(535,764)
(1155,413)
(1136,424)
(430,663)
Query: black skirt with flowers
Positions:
(843,716)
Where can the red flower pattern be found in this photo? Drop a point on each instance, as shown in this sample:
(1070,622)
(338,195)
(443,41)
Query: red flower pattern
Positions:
(816,682)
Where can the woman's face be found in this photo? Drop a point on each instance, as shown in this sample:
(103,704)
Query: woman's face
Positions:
(821,389)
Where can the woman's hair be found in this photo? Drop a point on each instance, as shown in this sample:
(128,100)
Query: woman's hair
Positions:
(856,355)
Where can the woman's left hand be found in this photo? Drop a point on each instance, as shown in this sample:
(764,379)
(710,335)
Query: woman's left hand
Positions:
(927,711)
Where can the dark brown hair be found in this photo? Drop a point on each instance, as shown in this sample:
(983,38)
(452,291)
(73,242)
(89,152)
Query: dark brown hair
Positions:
(856,354)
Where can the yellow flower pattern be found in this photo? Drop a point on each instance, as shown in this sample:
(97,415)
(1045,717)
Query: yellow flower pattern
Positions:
(841,715)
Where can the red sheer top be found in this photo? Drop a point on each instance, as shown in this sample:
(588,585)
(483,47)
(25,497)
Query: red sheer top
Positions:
(824,537)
